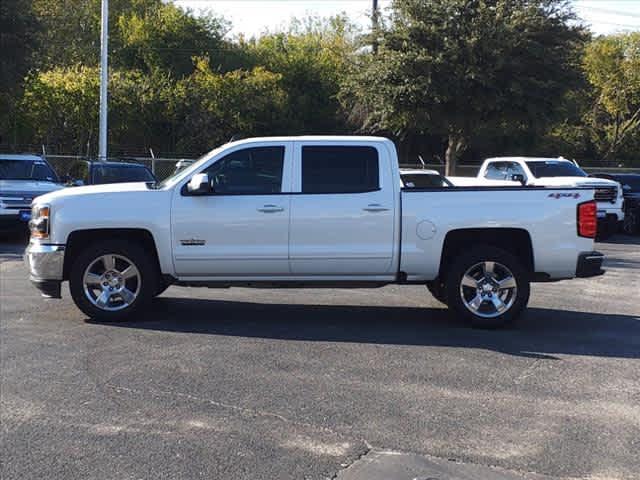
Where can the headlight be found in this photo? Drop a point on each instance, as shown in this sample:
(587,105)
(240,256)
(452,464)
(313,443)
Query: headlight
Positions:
(39,223)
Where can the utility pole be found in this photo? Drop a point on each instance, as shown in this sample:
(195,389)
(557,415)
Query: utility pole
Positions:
(104,80)
(374,26)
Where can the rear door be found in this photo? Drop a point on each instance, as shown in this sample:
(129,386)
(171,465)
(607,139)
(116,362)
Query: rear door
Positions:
(342,210)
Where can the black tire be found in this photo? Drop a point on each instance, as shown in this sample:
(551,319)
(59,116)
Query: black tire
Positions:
(148,280)
(519,295)
(631,222)
(437,290)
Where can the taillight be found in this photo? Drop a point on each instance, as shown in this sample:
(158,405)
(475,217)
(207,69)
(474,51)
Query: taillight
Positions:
(588,219)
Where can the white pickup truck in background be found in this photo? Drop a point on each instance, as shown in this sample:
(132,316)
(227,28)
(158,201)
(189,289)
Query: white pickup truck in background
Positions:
(551,172)
(309,212)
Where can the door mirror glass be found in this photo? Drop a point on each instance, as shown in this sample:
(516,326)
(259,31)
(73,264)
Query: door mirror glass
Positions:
(199,184)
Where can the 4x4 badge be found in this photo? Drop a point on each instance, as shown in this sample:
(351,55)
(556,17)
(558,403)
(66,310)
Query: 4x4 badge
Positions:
(564,195)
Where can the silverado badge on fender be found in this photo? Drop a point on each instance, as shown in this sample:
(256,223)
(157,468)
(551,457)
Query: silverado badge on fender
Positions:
(192,242)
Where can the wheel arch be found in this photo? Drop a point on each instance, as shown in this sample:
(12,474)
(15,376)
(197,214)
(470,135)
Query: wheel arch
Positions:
(79,239)
(516,241)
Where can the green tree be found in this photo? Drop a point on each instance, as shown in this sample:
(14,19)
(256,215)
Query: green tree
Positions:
(447,67)
(612,66)
(312,58)
(209,107)
(60,107)
(69,34)
(144,35)
(18,29)
(167,37)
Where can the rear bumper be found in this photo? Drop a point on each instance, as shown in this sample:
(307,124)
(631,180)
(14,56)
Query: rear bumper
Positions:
(589,264)
(45,264)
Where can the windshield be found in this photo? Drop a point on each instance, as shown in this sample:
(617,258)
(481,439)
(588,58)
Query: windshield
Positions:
(121,174)
(26,170)
(424,180)
(555,168)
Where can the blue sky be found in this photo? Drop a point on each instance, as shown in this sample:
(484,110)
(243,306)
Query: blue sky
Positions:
(251,17)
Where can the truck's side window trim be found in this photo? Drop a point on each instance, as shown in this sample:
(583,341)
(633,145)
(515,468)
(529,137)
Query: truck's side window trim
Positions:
(331,164)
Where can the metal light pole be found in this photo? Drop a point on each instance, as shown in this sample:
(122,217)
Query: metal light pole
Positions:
(104,80)
(374,28)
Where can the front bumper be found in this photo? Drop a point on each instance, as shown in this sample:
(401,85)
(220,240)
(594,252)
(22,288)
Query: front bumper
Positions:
(589,264)
(45,264)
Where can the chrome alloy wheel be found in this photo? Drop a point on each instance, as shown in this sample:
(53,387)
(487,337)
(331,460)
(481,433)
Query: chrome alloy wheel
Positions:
(488,289)
(112,282)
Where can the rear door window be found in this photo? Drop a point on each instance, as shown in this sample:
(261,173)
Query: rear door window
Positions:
(339,169)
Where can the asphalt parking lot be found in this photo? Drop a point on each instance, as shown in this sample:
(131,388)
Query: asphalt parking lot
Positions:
(347,384)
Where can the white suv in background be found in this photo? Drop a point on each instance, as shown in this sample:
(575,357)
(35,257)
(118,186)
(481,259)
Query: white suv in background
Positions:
(23,178)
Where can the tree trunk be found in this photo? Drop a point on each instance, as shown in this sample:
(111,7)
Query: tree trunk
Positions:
(455,146)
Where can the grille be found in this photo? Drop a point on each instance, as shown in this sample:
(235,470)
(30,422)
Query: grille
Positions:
(16,203)
(606,194)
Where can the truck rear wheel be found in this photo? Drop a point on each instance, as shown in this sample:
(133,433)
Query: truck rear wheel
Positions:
(112,280)
(488,287)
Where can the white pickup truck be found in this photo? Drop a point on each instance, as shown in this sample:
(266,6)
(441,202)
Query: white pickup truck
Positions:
(551,172)
(309,212)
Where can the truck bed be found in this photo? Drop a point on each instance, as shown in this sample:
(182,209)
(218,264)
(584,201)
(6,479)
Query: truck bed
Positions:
(546,215)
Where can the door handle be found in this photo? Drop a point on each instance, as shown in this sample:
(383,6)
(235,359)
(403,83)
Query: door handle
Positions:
(375,207)
(270,209)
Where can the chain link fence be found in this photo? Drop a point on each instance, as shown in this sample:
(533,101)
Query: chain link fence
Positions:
(73,166)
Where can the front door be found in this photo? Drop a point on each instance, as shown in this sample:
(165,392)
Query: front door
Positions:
(242,227)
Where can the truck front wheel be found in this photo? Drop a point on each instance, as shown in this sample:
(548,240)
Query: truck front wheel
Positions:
(488,287)
(111,280)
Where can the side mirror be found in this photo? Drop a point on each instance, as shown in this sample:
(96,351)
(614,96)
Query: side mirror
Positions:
(518,177)
(199,184)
